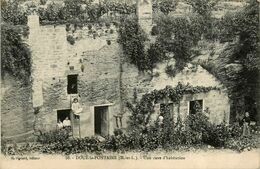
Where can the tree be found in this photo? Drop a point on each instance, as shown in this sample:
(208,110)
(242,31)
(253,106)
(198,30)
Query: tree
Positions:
(12,13)
(177,35)
(15,54)
(203,9)
(243,26)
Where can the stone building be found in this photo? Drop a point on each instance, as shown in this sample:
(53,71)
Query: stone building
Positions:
(93,71)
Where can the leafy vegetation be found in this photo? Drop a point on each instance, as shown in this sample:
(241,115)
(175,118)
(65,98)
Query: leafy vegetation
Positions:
(15,54)
(166,6)
(11,12)
(177,36)
(244,25)
(195,132)
(132,38)
(237,65)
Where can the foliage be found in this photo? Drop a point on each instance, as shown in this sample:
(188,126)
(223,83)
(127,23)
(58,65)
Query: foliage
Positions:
(203,7)
(120,142)
(59,141)
(142,111)
(64,12)
(15,54)
(241,143)
(71,39)
(244,26)
(240,29)
(166,6)
(170,136)
(11,12)
(208,25)
(177,36)
(155,30)
(132,39)
(54,136)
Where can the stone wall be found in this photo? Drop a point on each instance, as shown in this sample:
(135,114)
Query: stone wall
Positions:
(94,61)
(17,117)
(101,81)
(217,102)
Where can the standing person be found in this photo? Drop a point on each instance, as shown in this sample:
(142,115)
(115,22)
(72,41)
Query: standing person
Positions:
(246,123)
(76,108)
(66,122)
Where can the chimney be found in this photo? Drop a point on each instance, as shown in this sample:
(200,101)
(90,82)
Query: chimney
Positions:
(33,21)
(145,14)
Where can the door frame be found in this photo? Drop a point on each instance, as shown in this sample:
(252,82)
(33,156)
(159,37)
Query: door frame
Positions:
(108,115)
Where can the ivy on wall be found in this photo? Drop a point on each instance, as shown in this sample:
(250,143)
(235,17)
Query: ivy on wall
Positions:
(143,109)
(132,38)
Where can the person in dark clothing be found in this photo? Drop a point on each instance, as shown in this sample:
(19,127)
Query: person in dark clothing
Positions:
(246,125)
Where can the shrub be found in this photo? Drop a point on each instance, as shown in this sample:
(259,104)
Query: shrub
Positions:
(241,144)
(109,42)
(71,39)
(107,24)
(216,135)
(111,31)
(120,142)
(89,26)
(155,30)
(170,71)
(68,27)
(118,132)
(54,136)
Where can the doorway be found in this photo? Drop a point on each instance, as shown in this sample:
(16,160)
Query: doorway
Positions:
(101,120)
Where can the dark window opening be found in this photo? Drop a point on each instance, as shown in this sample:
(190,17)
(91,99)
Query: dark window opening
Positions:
(72,87)
(196,106)
(63,114)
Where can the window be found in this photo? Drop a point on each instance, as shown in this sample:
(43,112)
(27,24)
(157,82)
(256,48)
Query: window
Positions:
(72,87)
(63,114)
(195,106)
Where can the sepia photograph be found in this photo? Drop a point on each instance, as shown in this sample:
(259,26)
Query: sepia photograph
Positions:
(130,84)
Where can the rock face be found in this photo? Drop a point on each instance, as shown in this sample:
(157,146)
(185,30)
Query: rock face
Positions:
(104,83)
(17,115)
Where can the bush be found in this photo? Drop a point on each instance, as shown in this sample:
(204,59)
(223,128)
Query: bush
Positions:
(89,26)
(108,42)
(216,135)
(107,24)
(111,31)
(59,141)
(71,39)
(54,136)
(155,30)
(241,144)
(68,27)
(120,142)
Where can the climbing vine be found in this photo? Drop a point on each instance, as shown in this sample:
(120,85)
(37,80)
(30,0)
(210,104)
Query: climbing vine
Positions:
(132,38)
(143,109)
